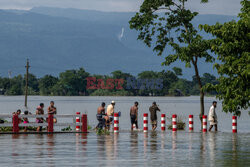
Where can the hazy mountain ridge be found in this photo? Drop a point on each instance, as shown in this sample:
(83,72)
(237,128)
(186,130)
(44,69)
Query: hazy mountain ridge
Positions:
(58,39)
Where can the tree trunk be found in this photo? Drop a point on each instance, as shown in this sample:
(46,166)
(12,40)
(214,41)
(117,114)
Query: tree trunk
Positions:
(201,106)
(201,91)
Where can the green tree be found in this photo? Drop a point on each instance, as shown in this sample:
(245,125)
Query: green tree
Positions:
(142,89)
(121,75)
(208,78)
(16,86)
(205,80)
(148,74)
(46,84)
(177,71)
(172,28)
(91,91)
(71,82)
(231,44)
(169,80)
(181,87)
(32,84)
(5,84)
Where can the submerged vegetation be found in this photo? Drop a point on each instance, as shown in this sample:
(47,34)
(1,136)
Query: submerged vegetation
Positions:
(180,124)
(100,131)
(67,129)
(9,129)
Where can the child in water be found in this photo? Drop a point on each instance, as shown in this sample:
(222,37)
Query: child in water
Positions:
(25,120)
(39,111)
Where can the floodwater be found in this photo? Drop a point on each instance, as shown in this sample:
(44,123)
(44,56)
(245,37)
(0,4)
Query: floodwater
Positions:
(127,148)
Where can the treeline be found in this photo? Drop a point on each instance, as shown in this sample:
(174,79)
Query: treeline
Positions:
(74,83)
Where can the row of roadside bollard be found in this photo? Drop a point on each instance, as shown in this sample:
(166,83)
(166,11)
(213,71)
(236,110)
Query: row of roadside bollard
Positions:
(190,123)
(145,123)
(81,123)
(174,123)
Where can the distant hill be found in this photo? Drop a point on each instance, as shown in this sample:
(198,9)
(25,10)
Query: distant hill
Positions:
(57,39)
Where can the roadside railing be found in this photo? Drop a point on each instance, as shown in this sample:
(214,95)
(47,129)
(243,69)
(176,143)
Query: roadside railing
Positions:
(79,122)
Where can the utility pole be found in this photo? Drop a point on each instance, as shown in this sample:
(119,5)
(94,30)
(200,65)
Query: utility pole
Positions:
(26,84)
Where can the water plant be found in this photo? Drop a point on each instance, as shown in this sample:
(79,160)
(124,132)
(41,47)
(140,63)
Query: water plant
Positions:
(100,131)
(89,127)
(180,124)
(66,129)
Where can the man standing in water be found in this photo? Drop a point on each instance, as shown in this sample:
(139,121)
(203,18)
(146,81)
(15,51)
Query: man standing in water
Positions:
(110,113)
(134,115)
(212,117)
(153,115)
(101,116)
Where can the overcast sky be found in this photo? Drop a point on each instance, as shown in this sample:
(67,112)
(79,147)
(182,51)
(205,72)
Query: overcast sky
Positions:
(226,7)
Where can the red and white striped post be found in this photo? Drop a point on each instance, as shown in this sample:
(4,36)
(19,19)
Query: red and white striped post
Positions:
(163,122)
(234,124)
(174,122)
(204,123)
(78,121)
(190,121)
(116,123)
(145,122)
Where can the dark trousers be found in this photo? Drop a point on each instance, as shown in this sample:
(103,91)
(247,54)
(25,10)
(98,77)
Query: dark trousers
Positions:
(101,121)
(134,121)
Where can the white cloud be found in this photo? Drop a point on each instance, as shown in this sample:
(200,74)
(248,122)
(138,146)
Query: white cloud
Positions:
(226,7)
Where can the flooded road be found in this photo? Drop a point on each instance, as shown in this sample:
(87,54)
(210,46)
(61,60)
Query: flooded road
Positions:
(127,148)
(182,106)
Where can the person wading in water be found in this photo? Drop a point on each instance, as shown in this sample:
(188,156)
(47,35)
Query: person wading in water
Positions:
(153,115)
(134,115)
(101,117)
(25,120)
(52,110)
(212,117)
(39,111)
(110,113)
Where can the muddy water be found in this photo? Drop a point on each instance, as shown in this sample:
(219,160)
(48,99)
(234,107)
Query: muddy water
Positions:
(127,148)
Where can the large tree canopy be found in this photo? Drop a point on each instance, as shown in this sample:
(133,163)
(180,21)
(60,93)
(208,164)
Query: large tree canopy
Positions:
(232,45)
(167,23)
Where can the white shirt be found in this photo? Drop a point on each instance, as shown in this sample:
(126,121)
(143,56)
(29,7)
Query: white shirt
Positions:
(212,114)
(110,110)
